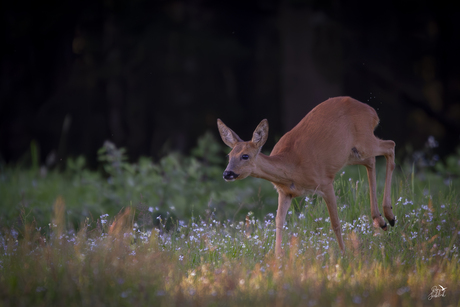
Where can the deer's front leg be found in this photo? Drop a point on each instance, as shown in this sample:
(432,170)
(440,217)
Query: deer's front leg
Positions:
(284,202)
(329,197)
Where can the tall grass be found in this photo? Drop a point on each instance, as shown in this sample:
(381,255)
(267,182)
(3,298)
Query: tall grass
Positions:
(209,259)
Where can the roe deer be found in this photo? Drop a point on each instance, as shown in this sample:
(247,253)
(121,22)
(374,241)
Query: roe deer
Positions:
(337,132)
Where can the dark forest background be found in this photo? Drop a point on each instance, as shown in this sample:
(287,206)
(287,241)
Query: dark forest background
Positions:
(152,76)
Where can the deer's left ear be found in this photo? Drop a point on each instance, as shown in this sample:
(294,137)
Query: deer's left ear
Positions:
(229,137)
(260,134)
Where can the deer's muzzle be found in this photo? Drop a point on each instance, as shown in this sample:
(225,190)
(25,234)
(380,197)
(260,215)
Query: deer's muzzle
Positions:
(230,176)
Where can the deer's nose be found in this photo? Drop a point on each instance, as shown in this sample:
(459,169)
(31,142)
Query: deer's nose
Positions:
(229,175)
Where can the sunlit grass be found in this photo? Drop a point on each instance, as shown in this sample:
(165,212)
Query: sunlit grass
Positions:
(118,260)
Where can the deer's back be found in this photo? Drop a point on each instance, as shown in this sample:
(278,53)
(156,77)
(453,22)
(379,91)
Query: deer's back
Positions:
(325,137)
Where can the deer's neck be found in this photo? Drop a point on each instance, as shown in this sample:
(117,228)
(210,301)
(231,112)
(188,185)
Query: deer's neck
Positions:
(273,169)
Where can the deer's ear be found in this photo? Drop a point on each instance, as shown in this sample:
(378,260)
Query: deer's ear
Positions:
(260,134)
(229,137)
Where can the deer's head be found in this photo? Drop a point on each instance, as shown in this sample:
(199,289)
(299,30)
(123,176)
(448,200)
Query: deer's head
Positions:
(242,158)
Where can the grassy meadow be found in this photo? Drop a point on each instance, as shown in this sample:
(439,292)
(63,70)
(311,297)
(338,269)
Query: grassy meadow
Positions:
(173,233)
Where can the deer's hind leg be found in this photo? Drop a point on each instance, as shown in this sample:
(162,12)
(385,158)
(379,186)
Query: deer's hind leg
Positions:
(387,150)
(369,163)
(364,154)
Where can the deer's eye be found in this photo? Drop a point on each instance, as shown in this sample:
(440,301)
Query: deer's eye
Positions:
(245,157)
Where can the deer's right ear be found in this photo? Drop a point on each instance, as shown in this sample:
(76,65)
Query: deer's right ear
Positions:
(260,134)
(229,137)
